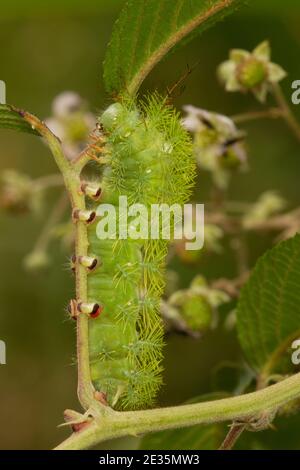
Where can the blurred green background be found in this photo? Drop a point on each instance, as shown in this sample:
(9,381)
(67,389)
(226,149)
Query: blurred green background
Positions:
(52,46)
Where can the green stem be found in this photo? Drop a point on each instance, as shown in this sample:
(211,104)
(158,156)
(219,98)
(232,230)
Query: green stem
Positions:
(85,388)
(272,113)
(48,181)
(133,423)
(287,113)
(71,176)
(55,216)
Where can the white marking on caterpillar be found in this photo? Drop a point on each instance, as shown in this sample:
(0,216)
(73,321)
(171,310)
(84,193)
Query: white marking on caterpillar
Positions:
(84,216)
(89,262)
(91,190)
(91,309)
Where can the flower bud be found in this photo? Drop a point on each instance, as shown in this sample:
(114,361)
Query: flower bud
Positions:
(251,73)
(197,313)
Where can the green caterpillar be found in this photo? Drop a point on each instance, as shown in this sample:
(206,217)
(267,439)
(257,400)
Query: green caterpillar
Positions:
(149,159)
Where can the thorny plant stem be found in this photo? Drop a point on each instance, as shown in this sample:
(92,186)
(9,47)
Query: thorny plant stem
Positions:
(237,428)
(71,176)
(133,423)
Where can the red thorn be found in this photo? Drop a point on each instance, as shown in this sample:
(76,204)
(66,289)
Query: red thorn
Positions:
(77,427)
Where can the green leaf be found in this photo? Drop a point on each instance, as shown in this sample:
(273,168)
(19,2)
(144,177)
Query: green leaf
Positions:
(268,313)
(11,118)
(148,29)
(193,438)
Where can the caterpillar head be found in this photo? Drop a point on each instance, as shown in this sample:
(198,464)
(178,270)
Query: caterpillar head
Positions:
(124,119)
(111,116)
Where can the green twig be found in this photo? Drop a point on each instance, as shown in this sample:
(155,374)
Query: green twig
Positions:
(46,234)
(71,176)
(48,181)
(133,423)
(271,113)
(287,113)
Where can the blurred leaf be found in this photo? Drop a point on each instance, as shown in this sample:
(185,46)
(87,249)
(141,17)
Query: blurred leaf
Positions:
(34,8)
(193,438)
(10,118)
(232,376)
(147,30)
(268,314)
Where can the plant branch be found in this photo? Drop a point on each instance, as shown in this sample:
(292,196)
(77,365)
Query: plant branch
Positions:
(287,113)
(231,286)
(271,113)
(46,233)
(120,424)
(235,431)
(48,181)
(71,176)
(233,224)
(83,158)
(85,388)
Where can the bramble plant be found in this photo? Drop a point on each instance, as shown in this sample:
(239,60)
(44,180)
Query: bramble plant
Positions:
(126,294)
